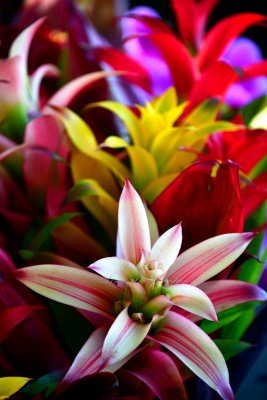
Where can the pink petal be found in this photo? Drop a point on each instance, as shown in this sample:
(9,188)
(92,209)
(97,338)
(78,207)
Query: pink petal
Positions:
(21,45)
(133,225)
(47,70)
(167,247)
(88,359)
(192,299)
(228,293)
(188,342)
(72,286)
(166,381)
(115,268)
(65,95)
(124,336)
(206,259)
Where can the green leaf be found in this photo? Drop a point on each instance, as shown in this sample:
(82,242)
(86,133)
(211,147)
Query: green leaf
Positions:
(87,187)
(225,317)
(45,384)
(231,348)
(240,325)
(45,233)
(249,111)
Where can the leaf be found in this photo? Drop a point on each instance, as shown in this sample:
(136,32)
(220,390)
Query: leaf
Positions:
(121,61)
(209,86)
(142,160)
(166,381)
(178,60)
(45,384)
(10,385)
(45,233)
(222,33)
(231,348)
(226,317)
(12,316)
(128,117)
(68,92)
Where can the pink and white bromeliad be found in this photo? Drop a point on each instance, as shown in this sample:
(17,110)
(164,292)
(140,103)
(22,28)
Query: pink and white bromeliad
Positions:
(147,294)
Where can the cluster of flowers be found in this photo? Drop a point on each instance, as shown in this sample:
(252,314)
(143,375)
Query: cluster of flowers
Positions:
(119,136)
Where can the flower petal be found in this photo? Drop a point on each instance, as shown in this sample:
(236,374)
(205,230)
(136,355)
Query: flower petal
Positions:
(188,342)
(133,225)
(167,247)
(192,299)
(228,293)
(88,359)
(124,336)
(115,268)
(72,286)
(208,258)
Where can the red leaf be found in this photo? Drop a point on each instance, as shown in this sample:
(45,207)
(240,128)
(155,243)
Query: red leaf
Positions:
(245,147)
(165,381)
(254,70)
(191,19)
(46,178)
(181,64)
(120,61)
(207,202)
(255,194)
(11,317)
(213,83)
(222,34)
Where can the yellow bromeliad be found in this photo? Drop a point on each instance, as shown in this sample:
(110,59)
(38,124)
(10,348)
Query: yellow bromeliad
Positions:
(153,146)
(10,385)
(155,141)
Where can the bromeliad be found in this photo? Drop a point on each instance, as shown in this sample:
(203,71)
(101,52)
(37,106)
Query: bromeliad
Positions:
(150,295)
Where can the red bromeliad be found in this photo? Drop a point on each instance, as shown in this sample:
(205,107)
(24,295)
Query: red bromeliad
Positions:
(147,294)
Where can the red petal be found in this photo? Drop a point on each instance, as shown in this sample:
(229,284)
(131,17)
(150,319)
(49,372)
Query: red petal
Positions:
(222,34)
(218,208)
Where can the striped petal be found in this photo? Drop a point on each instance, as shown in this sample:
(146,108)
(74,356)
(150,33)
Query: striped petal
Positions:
(192,299)
(133,225)
(225,294)
(188,342)
(208,258)
(123,338)
(116,268)
(167,247)
(88,359)
(72,286)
